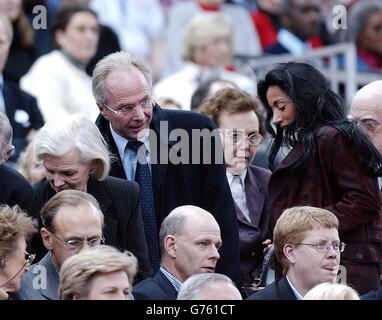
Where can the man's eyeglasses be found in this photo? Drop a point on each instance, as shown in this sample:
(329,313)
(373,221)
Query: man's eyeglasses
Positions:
(78,244)
(145,104)
(29,257)
(254,139)
(324,246)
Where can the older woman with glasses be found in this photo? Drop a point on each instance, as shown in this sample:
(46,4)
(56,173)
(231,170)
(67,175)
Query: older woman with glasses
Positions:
(75,157)
(100,273)
(239,121)
(15,230)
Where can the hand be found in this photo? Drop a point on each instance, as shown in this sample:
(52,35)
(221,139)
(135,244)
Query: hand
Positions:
(267,245)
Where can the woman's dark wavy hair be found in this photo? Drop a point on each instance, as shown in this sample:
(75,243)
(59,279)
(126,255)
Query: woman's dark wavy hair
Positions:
(316,105)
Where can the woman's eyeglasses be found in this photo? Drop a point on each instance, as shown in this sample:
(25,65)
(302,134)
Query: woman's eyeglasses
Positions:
(29,257)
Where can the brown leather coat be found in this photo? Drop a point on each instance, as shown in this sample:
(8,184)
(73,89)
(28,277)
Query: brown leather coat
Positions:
(335,180)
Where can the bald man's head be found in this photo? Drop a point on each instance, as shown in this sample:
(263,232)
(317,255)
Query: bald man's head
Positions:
(190,239)
(366,111)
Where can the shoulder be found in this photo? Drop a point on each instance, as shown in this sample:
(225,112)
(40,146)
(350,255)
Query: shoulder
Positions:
(260,172)
(11,176)
(118,183)
(187,119)
(268,293)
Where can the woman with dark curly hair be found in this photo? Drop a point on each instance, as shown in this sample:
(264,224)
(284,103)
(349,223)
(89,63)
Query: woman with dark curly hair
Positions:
(332,164)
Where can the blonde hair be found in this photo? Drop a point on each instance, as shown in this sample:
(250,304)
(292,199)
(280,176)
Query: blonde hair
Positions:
(331,291)
(56,138)
(292,225)
(14,223)
(78,271)
(202,29)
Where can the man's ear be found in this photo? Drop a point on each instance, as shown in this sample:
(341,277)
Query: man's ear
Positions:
(289,253)
(170,245)
(8,152)
(46,238)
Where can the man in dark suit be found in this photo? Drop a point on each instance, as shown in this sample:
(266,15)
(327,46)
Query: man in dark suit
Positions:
(308,247)
(14,188)
(239,119)
(20,107)
(183,168)
(71,220)
(190,240)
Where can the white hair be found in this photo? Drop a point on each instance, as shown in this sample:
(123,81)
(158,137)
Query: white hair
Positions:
(118,61)
(192,287)
(56,138)
(331,291)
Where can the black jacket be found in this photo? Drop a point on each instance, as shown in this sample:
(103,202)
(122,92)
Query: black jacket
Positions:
(119,202)
(174,185)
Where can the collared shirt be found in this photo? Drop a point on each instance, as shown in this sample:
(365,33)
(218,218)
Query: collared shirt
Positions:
(128,156)
(174,281)
(296,293)
(238,192)
(291,42)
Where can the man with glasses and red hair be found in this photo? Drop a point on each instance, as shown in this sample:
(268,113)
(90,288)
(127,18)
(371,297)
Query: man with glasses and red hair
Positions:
(308,246)
(72,220)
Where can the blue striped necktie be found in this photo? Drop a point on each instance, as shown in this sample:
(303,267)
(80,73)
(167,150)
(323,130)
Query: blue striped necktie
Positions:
(143,178)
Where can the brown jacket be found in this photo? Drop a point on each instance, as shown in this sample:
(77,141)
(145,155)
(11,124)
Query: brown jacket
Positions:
(335,180)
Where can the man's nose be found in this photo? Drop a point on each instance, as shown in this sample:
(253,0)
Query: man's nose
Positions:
(215,254)
(138,113)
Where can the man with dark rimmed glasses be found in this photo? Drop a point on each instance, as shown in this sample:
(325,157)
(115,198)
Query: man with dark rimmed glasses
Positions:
(308,246)
(72,220)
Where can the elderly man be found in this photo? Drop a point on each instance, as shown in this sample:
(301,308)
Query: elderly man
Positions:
(366,111)
(20,107)
(72,220)
(308,247)
(190,240)
(123,90)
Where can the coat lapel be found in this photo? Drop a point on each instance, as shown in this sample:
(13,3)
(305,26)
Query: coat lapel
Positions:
(52,279)
(255,197)
(95,188)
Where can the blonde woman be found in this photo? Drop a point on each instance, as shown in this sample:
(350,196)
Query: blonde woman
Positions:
(16,229)
(100,273)
(332,291)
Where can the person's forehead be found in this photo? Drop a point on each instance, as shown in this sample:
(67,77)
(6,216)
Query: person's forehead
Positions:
(320,232)
(367,103)
(84,214)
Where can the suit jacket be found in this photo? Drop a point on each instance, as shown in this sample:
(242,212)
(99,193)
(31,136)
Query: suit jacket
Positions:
(40,282)
(203,185)
(119,202)
(277,290)
(14,188)
(156,288)
(252,234)
(23,113)
(337,181)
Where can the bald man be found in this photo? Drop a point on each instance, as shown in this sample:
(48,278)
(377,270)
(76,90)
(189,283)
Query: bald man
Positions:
(190,239)
(366,111)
